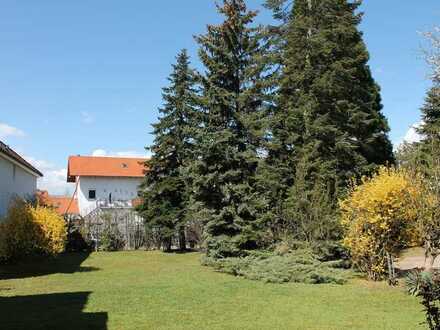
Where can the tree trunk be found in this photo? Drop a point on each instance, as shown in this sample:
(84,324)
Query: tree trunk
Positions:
(391,270)
(431,261)
(168,244)
(182,239)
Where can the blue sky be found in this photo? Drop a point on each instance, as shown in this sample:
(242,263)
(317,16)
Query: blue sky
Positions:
(84,77)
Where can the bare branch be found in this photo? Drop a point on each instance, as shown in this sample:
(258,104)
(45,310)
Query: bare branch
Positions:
(432,53)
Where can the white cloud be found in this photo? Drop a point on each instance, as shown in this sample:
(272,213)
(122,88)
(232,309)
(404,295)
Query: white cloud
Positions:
(6,130)
(54,180)
(39,164)
(124,154)
(87,117)
(412,135)
(99,153)
(131,154)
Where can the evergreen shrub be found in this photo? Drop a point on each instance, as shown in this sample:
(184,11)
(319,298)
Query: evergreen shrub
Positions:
(299,266)
(111,239)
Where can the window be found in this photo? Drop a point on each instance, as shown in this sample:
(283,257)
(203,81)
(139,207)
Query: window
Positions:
(92,194)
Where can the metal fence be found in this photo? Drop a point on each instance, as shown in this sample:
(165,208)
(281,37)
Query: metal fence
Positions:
(122,222)
(128,228)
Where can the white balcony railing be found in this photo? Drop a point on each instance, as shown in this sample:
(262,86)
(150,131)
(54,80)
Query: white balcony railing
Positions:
(114,204)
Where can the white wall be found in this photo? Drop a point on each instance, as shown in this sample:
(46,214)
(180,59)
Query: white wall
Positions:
(22,184)
(122,189)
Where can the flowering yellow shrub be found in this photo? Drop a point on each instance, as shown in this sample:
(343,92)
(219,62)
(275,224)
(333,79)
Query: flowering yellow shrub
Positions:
(52,234)
(31,229)
(379,218)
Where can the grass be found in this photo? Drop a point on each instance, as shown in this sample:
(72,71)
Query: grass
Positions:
(153,290)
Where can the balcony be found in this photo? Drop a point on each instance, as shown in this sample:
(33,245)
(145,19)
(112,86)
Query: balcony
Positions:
(114,204)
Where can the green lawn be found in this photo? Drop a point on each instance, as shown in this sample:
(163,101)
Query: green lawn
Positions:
(152,290)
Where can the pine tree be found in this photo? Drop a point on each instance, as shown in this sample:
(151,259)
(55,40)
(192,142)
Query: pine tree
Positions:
(281,9)
(330,107)
(310,214)
(223,177)
(430,128)
(275,170)
(424,156)
(164,192)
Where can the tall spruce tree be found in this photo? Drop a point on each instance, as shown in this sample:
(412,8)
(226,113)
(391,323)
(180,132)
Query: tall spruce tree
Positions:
(430,129)
(330,107)
(424,156)
(427,151)
(223,177)
(326,125)
(164,192)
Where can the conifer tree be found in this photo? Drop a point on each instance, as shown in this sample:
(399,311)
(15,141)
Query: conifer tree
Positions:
(424,156)
(430,128)
(329,107)
(164,192)
(223,177)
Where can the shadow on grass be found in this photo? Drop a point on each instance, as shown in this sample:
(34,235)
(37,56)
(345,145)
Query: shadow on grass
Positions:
(50,311)
(68,263)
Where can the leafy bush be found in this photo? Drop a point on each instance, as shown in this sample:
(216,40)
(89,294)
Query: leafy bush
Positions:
(153,239)
(76,242)
(379,219)
(52,237)
(29,229)
(426,285)
(427,205)
(296,267)
(282,248)
(111,239)
(78,236)
(331,251)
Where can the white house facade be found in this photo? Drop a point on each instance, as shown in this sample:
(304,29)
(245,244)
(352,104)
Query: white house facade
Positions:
(105,181)
(18,178)
(106,191)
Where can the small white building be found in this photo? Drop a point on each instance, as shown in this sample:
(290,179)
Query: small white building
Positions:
(105,181)
(18,178)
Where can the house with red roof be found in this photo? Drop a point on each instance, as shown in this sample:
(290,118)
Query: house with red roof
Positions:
(18,178)
(63,205)
(102,182)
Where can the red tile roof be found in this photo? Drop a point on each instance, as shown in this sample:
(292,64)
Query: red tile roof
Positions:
(8,152)
(105,167)
(62,204)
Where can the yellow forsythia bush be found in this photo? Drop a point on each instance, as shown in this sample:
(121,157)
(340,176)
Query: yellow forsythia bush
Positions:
(378,218)
(29,229)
